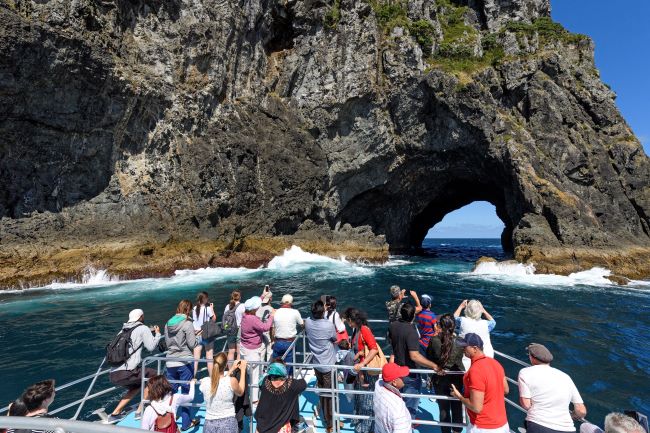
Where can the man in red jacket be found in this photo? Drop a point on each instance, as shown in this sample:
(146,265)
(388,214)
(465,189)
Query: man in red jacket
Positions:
(485,386)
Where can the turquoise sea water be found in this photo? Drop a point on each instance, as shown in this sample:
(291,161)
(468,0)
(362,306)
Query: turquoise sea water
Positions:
(598,332)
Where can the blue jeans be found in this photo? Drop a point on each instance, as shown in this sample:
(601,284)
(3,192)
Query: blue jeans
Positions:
(279,347)
(184,372)
(412,385)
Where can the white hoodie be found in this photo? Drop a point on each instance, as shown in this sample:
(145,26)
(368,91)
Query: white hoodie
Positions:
(163,406)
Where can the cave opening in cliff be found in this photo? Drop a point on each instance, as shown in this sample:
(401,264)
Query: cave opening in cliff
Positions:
(475,227)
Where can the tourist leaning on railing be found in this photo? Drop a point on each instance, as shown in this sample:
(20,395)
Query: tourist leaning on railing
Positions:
(286,323)
(219,392)
(365,348)
(443,351)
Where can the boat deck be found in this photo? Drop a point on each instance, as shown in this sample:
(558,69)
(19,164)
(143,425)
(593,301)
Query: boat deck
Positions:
(427,411)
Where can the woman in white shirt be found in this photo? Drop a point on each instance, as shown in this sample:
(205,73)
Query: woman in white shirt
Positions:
(202,312)
(473,323)
(163,401)
(218,392)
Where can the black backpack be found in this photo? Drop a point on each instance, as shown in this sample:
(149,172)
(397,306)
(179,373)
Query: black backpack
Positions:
(117,351)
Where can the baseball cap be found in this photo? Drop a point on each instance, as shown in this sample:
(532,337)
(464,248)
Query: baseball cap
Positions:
(392,371)
(470,339)
(135,315)
(287,299)
(540,352)
(253,303)
(426,301)
(395,291)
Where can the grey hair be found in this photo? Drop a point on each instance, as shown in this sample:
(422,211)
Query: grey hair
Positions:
(474,309)
(617,422)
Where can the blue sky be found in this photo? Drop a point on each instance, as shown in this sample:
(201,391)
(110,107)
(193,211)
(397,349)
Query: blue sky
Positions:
(621,32)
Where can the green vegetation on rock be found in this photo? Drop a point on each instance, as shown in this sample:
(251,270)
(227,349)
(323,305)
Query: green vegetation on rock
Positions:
(391,15)
(547,29)
(333,15)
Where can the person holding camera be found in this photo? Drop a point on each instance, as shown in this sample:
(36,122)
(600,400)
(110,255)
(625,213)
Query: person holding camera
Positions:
(203,312)
(398,296)
(129,374)
(219,391)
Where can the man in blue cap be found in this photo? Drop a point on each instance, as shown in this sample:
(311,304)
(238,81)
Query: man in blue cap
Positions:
(485,386)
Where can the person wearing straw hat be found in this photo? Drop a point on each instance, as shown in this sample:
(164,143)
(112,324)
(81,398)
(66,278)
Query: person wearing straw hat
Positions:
(546,392)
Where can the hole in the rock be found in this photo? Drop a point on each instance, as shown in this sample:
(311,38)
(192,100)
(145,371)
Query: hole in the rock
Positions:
(471,231)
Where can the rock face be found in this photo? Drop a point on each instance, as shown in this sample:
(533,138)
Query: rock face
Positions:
(216,121)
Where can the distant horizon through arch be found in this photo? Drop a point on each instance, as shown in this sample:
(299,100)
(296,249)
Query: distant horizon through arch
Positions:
(473,221)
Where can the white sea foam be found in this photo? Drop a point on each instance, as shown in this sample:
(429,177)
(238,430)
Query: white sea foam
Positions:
(503,268)
(518,273)
(295,259)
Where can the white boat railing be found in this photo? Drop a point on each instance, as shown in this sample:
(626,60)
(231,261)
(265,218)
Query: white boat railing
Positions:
(301,369)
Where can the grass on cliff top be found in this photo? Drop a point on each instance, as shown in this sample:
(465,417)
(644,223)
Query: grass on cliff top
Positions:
(547,29)
(393,14)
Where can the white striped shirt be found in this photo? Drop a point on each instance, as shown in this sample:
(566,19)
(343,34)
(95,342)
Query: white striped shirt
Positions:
(391,414)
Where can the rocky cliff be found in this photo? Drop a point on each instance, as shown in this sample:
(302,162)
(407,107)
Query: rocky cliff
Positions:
(145,135)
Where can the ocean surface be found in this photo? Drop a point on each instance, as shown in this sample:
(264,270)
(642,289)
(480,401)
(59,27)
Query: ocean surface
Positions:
(598,332)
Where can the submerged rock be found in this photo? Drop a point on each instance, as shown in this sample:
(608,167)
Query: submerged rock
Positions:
(353,123)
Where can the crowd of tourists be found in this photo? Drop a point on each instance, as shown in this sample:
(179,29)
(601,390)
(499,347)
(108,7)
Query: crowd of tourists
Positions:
(258,350)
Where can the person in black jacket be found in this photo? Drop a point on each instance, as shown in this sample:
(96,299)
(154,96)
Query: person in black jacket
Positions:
(278,410)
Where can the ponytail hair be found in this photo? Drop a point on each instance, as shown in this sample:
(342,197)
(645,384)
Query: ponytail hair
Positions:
(220,363)
(235,297)
(201,299)
(447,326)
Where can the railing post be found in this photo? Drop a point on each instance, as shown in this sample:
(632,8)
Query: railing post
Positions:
(81,405)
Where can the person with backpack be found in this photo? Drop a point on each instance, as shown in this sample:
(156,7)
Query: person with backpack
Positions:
(203,312)
(333,316)
(181,341)
(232,316)
(124,353)
(160,415)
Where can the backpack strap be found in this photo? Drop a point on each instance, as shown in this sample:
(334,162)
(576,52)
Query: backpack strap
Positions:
(131,341)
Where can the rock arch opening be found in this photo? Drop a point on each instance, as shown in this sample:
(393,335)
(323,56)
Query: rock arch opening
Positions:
(477,220)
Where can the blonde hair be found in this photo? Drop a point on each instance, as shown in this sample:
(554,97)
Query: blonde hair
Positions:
(220,362)
(184,307)
(474,309)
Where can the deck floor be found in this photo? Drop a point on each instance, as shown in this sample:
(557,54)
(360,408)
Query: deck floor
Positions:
(428,411)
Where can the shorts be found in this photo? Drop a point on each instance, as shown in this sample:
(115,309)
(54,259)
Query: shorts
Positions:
(209,343)
(131,379)
(232,340)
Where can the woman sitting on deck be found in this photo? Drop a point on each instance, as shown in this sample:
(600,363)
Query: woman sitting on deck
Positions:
(218,392)
(278,408)
(363,342)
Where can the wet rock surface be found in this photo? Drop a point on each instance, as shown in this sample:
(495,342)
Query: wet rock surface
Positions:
(344,123)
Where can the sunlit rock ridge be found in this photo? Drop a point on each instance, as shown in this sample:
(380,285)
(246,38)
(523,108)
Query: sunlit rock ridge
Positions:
(141,136)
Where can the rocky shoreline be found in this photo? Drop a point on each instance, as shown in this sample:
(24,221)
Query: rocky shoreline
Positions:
(38,265)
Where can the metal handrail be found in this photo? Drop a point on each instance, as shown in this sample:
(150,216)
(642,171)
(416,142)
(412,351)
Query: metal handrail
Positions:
(304,367)
(61,425)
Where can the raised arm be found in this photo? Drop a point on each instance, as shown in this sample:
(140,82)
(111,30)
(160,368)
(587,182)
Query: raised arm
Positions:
(239,386)
(460,308)
(418,306)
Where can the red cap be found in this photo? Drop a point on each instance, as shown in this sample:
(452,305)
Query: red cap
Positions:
(392,371)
